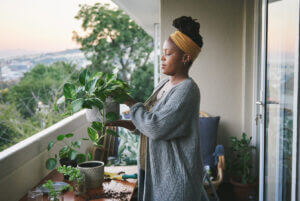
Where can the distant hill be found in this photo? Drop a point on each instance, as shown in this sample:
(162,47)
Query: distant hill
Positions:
(12,68)
(16,53)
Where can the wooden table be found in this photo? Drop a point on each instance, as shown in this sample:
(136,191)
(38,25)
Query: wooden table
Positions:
(115,186)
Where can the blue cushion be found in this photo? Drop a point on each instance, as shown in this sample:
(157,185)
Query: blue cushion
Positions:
(208,137)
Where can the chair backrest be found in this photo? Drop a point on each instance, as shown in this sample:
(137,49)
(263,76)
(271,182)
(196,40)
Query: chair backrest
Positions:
(208,136)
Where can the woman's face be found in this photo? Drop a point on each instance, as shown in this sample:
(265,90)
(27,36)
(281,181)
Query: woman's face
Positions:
(171,59)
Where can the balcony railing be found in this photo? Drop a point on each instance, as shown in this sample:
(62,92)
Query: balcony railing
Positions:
(22,166)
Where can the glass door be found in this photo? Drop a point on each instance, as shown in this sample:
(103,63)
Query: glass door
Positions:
(280,99)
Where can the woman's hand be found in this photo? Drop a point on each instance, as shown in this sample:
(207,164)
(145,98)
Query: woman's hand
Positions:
(122,123)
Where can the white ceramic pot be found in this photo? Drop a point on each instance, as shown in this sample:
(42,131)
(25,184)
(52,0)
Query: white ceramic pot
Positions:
(94,173)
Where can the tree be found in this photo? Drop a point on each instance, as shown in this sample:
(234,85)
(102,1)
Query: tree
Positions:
(112,40)
(41,85)
(28,106)
(142,82)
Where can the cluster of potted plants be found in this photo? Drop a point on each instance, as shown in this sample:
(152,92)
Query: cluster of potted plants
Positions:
(100,93)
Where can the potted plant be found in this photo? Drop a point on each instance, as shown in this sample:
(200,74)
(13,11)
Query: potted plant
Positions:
(97,92)
(100,92)
(56,195)
(68,154)
(76,177)
(240,166)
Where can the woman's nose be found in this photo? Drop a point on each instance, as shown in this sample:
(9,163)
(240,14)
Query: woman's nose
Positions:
(162,58)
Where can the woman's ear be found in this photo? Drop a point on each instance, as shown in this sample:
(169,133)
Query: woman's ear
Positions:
(186,58)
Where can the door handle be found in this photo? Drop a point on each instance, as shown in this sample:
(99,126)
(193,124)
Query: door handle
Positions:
(259,103)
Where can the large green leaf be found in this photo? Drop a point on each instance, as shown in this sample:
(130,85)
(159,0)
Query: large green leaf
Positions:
(60,137)
(87,104)
(112,116)
(50,144)
(76,105)
(51,163)
(93,134)
(91,85)
(97,102)
(69,135)
(97,126)
(100,94)
(84,77)
(77,144)
(90,157)
(63,152)
(85,139)
(72,154)
(69,91)
(80,158)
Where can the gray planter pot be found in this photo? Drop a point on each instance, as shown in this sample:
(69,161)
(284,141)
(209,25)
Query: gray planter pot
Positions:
(94,173)
(94,113)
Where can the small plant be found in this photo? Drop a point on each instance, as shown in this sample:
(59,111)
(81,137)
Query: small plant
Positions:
(68,152)
(53,194)
(240,163)
(74,175)
(94,91)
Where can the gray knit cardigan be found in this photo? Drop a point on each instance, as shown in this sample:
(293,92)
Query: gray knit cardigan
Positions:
(173,169)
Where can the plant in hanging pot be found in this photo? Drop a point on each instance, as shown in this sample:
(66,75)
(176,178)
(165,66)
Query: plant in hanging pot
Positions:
(240,167)
(68,154)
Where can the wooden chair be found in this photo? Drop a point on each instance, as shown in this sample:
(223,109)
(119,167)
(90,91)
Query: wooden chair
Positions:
(220,168)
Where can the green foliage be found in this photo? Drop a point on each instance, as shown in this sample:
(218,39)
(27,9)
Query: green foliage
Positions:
(69,150)
(27,106)
(73,173)
(54,193)
(112,40)
(41,84)
(240,163)
(128,148)
(93,90)
(142,83)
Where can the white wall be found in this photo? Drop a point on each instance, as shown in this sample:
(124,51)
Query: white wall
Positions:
(22,166)
(223,70)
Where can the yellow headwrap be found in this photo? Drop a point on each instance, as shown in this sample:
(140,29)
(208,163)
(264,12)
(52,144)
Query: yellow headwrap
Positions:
(186,44)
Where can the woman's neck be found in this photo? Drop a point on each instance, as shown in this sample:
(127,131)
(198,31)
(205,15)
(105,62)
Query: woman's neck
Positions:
(177,78)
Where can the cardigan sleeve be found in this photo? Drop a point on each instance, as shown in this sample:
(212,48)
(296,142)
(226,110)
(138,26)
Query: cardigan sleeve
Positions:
(171,120)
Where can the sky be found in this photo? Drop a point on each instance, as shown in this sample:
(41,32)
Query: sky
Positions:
(40,25)
(283,26)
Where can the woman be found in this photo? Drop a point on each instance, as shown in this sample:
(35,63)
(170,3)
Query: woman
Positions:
(169,157)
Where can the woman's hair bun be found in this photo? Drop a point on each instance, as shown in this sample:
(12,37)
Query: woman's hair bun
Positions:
(189,27)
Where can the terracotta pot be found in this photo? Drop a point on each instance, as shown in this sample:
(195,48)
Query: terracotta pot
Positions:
(242,191)
(94,173)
